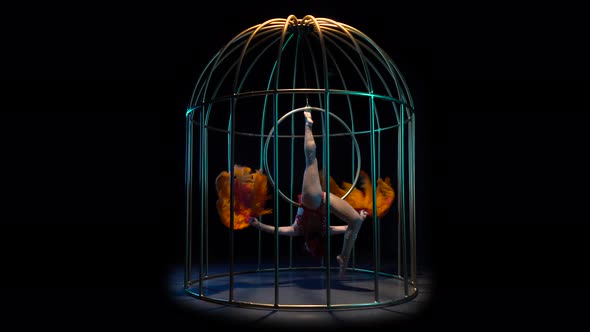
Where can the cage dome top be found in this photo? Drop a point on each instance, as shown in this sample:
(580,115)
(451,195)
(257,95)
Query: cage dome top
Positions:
(301,59)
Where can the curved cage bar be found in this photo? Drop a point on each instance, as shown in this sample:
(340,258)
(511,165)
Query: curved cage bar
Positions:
(246,110)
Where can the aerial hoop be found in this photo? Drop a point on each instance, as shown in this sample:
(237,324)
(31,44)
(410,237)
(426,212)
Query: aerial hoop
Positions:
(270,134)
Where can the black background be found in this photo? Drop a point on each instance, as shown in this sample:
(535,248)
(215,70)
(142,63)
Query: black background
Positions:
(92,125)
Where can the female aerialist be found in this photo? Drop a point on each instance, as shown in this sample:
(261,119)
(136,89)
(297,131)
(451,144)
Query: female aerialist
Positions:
(310,220)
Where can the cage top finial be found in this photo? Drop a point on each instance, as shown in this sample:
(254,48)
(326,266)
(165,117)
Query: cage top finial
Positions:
(301,25)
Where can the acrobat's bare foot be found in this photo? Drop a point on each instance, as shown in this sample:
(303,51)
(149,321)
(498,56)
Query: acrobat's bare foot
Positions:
(342,262)
(308,120)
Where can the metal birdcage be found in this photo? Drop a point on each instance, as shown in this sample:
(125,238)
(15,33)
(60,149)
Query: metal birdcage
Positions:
(246,110)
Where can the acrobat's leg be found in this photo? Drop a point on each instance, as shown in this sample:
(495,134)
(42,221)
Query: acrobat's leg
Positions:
(311,194)
(354,219)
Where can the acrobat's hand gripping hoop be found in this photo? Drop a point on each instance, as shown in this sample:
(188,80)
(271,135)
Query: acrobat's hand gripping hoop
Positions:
(309,108)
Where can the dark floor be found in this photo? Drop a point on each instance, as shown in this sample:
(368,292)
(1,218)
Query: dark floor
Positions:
(303,287)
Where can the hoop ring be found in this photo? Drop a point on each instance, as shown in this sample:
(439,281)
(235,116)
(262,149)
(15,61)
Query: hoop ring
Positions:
(356,146)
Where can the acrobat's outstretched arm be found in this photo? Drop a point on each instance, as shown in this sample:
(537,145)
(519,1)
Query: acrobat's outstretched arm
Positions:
(335,230)
(290,230)
(283,230)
